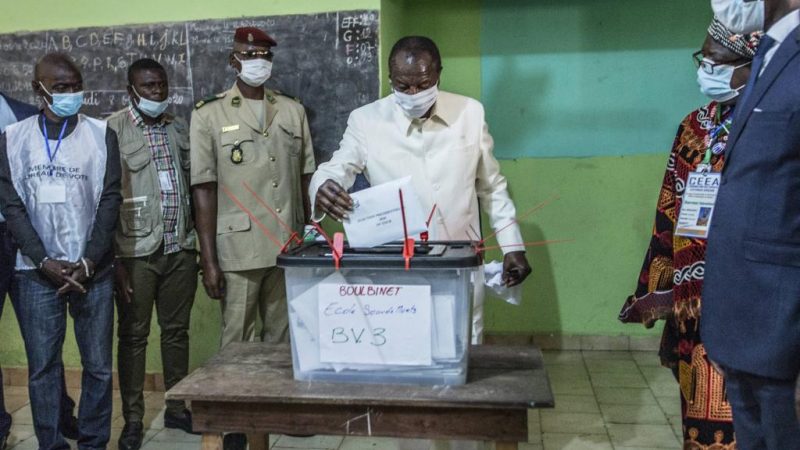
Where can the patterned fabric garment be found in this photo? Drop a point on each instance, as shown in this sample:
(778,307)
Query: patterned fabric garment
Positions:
(158,142)
(674,266)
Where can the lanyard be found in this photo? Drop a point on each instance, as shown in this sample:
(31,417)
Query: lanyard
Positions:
(52,155)
(721,130)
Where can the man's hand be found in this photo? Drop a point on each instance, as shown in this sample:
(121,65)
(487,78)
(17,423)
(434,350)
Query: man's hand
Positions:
(213,280)
(56,271)
(333,200)
(515,268)
(76,276)
(122,282)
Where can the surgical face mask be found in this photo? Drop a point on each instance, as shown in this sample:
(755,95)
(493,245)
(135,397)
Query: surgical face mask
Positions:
(149,107)
(416,105)
(717,85)
(255,72)
(64,105)
(740,16)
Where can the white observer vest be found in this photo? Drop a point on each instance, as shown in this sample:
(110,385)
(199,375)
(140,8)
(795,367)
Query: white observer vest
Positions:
(79,166)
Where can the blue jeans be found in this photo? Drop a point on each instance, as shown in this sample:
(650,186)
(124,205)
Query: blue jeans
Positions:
(764,415)
(42,317)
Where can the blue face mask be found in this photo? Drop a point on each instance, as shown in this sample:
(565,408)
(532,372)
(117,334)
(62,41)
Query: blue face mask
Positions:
(717,85)
(64,105)
(149,107)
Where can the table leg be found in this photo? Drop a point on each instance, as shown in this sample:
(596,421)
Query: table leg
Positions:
(258,441)
(506,446)
(211,441)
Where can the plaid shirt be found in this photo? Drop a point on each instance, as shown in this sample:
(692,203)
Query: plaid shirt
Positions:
(158,142)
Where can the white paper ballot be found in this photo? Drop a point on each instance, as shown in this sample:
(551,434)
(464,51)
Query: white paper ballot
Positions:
(375,324)
(376,218)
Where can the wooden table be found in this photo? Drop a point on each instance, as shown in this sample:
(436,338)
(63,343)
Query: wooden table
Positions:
(248,388)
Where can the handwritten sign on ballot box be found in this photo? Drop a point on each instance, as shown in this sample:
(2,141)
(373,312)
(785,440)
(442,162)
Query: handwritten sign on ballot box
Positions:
(375,324)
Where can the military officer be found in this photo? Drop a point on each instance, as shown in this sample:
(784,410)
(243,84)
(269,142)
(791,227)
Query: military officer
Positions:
(251,154)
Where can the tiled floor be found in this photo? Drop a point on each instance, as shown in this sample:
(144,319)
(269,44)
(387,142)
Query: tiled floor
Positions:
(604,400)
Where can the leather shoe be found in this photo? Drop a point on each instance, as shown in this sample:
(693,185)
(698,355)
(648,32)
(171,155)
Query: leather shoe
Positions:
(181,421)
(234,441)
(69,428)
(131,437)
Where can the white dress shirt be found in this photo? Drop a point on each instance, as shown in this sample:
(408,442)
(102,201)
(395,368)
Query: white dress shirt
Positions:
(448,156)
(780,31)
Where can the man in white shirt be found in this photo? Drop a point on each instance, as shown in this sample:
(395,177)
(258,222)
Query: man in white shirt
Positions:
(438,138)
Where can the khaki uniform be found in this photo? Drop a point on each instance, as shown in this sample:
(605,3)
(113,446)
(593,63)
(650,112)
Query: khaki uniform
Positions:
(166,282)
(231,148)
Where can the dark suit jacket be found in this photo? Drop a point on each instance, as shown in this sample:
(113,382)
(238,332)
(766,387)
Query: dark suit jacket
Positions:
(751,295)
(21,110)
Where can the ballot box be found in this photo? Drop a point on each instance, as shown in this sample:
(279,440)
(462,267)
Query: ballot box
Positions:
(373,319)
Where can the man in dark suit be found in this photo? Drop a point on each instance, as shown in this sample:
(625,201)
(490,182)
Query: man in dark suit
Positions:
(12,111)
(751,297)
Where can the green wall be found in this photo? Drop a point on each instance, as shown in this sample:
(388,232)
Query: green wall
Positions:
(589,78)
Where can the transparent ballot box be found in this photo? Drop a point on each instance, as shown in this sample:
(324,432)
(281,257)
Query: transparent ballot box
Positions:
(373,320)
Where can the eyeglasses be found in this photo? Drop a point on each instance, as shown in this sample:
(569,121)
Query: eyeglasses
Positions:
(253,54)
(708,66)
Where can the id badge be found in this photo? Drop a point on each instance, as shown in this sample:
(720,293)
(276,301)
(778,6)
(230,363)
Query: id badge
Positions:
(165,181)
(697,207)
(52,193)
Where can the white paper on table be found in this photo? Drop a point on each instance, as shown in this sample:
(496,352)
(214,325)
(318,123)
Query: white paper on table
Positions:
(444,328)
(493,272)
(376,217)
(375,324)
(305,325)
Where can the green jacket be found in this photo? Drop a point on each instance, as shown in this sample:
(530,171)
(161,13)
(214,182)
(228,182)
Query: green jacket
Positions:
(140,230)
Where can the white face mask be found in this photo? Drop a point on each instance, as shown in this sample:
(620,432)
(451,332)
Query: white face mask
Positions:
(150,107)
(416,105)
(255,72)
(717,85)
(740,16)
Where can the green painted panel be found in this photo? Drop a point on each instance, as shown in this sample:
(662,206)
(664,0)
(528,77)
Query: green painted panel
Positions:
(455,27)
(606,205)
(586,77)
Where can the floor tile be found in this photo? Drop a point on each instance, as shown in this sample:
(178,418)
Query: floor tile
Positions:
(20,433)
(646,359)
(633,414)
(670,405)
(22,416)
(571,441)
(534,425)
(530,446)
(571,387)
(660,436)
(626,379)
(587,355)
(173,435)
(557,422)
(315,442)
(576,403)
(625,396)
(568,357)
(611,365)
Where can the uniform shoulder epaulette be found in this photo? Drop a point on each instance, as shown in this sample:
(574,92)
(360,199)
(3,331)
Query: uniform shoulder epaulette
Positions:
(208,100)
(297,99)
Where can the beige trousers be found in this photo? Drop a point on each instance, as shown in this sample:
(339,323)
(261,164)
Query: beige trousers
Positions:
(251,295)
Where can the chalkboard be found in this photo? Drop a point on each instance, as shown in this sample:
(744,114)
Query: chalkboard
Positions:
(329,61)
